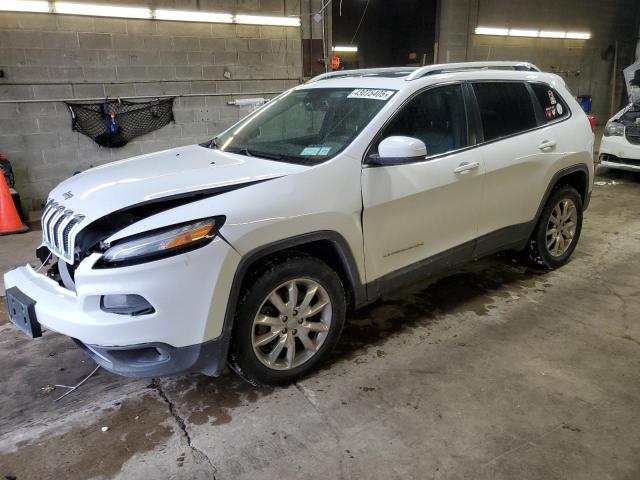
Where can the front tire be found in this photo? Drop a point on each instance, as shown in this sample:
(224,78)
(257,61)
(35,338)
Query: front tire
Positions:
(558,230)
(287,321)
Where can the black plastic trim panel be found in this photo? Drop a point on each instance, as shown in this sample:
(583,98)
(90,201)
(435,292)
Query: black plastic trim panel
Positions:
(377,161)
(159,359)
(417,271)
(513,237)
(580,167)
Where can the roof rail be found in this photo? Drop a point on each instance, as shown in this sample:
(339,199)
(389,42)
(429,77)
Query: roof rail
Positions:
(359,72)
(449,67)
(418,72)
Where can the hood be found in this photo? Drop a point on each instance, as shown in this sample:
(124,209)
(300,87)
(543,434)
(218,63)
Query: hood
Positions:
(632,80)
(179,171)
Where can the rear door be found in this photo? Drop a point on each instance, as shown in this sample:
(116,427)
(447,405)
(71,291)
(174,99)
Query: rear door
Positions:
(518,149)
(416,210)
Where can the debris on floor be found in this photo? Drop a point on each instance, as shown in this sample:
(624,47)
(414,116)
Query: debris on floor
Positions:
(74,388)
(47,389)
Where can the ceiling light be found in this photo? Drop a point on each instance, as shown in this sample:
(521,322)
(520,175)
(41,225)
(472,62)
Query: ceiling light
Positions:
(546,34)
(523,33)
(106,10)
(264,20)
(193,16)
(345,48)
(491,31)
(517,32)
(579,35)
(24,6)
(94,10)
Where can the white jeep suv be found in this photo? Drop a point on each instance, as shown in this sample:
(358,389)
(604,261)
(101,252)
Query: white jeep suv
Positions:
(250,248)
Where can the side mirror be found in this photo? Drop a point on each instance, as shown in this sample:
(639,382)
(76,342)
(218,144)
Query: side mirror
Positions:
(397,150)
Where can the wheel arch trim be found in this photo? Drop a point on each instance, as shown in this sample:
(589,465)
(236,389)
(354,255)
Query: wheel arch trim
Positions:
(580,167)
(338,242)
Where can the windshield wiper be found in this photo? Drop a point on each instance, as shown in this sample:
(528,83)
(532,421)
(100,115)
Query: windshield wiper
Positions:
(268,156)
(254,153)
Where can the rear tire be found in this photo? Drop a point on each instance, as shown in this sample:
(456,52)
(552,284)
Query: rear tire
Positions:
(287,320)
(558,230)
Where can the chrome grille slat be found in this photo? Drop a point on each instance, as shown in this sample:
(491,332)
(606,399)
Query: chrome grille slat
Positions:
(47,226)
(59,228)
(65,236)
(56,230)
(46,216)
(52,221)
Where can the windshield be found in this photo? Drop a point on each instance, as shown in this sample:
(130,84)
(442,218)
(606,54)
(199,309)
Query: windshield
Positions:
(304,126)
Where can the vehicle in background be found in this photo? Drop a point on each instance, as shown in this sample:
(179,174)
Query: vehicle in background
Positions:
(620,145)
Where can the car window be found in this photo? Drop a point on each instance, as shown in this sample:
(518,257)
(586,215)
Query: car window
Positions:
(553,107)
(505,108)
(305,126)
(436,116)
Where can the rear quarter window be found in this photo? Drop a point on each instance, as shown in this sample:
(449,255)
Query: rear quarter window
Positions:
(552,105)
(505,108)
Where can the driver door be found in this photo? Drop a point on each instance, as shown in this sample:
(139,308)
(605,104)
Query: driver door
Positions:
(426,209)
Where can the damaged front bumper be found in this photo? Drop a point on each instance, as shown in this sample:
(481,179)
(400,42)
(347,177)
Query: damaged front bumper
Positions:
(618,152)
(160,359)
(183,333)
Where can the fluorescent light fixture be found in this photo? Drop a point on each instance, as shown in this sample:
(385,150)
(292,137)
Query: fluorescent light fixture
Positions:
(345,48)
(548,34)
(265,20)
(518,32)
(514,32)
(96,10)
(193,16)
(107,10)
(491,31)
(579,35)
(24,6)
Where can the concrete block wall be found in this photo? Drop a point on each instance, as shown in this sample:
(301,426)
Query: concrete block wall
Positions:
(583,63)
(46,56)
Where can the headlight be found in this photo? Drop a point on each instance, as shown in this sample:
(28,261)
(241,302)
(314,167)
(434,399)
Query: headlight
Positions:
(614,129)
(161,243)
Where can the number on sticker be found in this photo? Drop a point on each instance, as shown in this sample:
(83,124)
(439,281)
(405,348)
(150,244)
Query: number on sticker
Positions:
(371,93)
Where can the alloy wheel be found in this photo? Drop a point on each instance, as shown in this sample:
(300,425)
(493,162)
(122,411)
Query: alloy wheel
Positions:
(561,228)
(292,323)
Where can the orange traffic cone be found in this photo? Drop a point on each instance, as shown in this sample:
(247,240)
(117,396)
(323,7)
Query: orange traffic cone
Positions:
(9,219)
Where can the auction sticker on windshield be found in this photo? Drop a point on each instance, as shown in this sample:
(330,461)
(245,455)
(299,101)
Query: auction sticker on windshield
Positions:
(315,150)
(372,93)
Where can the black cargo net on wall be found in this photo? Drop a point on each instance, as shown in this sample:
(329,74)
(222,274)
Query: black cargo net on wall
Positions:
(113,123)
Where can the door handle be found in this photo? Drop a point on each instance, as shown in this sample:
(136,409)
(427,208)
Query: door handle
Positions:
(547,144)
(465,167)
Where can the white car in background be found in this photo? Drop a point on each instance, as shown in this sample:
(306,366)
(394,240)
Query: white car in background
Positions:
(620,145)
(250,248)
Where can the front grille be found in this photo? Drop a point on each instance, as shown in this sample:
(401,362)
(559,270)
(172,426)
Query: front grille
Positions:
(633,134)
(59,226)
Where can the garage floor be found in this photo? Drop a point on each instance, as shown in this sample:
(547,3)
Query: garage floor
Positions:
(495,371)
